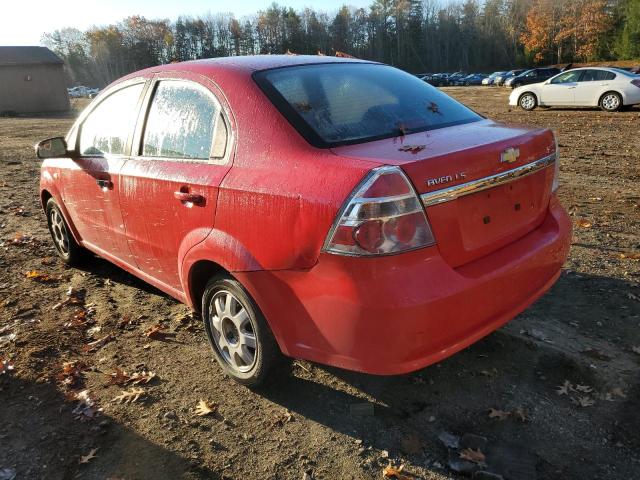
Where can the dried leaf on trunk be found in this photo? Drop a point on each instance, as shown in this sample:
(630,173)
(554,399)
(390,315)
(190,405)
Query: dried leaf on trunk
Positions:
(205,408)
(475,456)
(90,456)
(130,396)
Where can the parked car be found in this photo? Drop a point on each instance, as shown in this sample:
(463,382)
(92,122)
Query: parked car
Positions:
(294,203)
(436,79)
(535,75)
(473,79)
(609,88)
(82,92)
(491,78)
(502,79)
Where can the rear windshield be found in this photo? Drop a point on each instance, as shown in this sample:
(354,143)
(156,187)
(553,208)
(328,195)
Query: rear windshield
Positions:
(339,104)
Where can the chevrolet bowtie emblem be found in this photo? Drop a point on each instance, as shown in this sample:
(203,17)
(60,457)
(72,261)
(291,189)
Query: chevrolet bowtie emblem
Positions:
(510,155)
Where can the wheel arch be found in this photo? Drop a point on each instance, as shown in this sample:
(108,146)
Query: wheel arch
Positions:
(620,94)
(45,196)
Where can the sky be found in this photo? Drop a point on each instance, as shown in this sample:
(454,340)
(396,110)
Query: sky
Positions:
(24,21)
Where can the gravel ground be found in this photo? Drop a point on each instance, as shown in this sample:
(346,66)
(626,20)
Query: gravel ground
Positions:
(562,378)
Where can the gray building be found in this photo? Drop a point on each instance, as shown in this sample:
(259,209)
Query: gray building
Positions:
(31,81)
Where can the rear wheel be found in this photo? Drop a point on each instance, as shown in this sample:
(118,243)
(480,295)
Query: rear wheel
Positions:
(68,250)
(528,101)
(611,102)
(241,340)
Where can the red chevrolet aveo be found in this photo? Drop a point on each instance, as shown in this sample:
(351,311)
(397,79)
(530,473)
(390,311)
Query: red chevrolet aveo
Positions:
(333,210)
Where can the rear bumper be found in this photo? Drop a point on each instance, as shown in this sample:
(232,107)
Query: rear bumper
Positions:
(396,314)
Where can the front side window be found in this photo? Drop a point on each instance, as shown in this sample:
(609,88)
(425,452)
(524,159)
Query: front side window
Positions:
(337,104)
(181,122)
(568,77)
(106,129)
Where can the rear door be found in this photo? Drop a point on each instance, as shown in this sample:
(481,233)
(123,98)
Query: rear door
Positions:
(169,187)
(91,180)
(591,84)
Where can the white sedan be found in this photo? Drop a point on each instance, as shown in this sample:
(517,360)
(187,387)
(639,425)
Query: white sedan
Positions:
(609,88)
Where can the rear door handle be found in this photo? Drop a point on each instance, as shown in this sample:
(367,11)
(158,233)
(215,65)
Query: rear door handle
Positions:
(189,197)
(105,184)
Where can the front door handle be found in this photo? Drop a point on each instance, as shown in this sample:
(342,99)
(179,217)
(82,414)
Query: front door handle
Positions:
(105,184)
(189,197)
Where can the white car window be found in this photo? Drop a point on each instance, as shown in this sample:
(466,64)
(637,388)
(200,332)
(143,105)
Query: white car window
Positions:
(567,77)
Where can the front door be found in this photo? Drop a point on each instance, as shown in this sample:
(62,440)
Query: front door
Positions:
(90,186)
(169,187)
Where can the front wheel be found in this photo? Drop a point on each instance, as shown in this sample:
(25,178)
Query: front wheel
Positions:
(528,101)
(611,102)
(241,340)
(68,250)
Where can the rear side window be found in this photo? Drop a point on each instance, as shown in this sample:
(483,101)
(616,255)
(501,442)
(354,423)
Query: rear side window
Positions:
(182,121)
(338,104)
(106,129)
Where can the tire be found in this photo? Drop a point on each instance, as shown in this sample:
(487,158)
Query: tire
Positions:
(528,101)
(241,340)
(68,250)
(610,102)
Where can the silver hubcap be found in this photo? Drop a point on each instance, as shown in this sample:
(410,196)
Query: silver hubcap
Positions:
(59,232)
(610,102)
(233,331)
(527,102)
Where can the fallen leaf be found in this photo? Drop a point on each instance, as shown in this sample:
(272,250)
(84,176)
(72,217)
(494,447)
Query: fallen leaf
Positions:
(499,414)
(583,401)
(597,354)
(70,376)
(635,350)
(411,444)
(583,388)
(155,332)
(629,256)
(205,408)
(615,392)
(40,276)
(5,366)
(98,344)
(141,377)
(564,388)
(392,472)
(475,456)
(583,223)
(130,396)
(521,414)
(118,377)
(90,456)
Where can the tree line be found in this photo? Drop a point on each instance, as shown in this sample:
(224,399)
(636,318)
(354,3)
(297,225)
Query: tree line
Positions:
(416,35)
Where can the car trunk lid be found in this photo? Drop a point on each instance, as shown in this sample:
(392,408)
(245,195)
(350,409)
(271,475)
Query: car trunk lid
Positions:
(483,184)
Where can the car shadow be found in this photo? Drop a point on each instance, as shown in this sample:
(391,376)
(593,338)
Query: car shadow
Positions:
(518,366)
(42,439)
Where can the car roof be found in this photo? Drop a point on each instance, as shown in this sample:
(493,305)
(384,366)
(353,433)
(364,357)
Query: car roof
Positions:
(253,63)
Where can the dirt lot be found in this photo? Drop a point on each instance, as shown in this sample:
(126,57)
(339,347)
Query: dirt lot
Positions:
(316,422)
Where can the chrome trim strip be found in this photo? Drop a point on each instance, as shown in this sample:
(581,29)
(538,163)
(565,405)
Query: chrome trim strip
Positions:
(447,194)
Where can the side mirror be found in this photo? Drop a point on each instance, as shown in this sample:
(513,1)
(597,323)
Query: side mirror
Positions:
(52,148)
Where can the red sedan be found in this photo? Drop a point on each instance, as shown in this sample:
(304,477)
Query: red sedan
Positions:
(335,210)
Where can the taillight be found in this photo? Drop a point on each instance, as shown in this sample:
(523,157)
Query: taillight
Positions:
(556,166)
(383,215)
(636,83)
